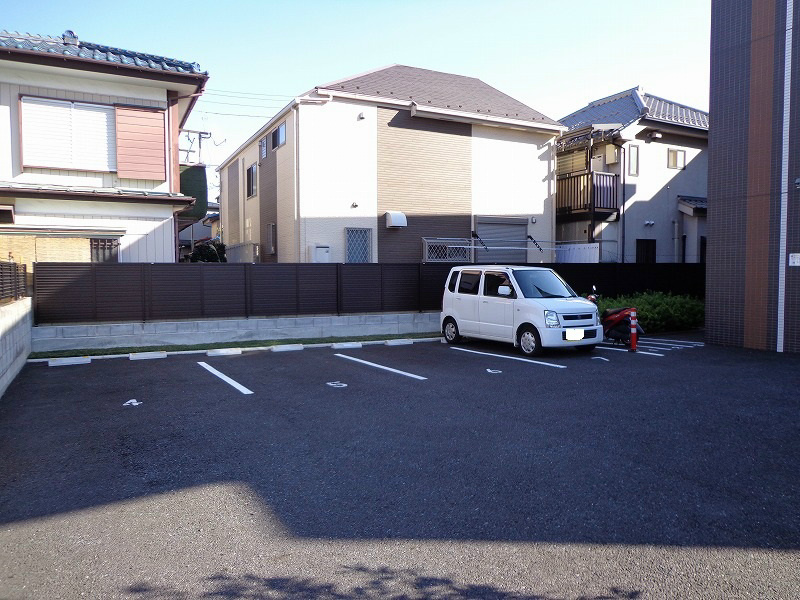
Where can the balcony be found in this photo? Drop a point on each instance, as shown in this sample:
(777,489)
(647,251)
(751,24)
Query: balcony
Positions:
(584,195)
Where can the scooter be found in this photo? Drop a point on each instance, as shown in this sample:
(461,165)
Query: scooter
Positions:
(616,322)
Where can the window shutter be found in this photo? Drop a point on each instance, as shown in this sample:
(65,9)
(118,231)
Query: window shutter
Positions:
(93,139)
(60,134)
(46,133)
(140,144)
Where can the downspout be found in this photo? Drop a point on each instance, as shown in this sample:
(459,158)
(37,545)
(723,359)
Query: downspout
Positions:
(590,183)
(624,169)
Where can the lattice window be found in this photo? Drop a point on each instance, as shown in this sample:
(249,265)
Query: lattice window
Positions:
(104,249)
(358,245)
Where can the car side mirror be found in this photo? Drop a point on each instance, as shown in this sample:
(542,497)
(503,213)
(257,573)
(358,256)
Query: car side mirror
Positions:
(504,290)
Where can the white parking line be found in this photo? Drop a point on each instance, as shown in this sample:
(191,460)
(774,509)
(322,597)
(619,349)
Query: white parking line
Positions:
(377,366)
(665,345)
(649,339)
(225,378)
(537,362)
(626,350)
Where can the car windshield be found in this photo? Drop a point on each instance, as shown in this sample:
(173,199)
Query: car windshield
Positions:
(542,284)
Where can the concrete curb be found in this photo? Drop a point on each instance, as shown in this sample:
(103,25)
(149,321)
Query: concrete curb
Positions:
(227,351)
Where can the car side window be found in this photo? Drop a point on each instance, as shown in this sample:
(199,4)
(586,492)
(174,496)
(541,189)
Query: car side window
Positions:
(493,281)
(451,285)
(469,282)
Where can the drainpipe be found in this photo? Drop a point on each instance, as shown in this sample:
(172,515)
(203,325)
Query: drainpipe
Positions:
(624,169)
(591,190)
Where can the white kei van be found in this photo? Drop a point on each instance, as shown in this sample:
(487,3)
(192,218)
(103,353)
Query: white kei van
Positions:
(531,307)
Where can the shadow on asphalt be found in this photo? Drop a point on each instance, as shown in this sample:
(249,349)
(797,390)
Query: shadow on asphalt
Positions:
(697,449)
(374,584)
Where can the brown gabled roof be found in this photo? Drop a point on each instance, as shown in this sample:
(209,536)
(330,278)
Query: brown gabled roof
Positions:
(438,90)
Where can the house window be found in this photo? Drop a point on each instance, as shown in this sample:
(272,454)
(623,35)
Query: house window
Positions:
(358,245)
(252,186)
(633,161)
(278,136)
(676,159)
(104,250)
(262,148)
(60,134)
(270,241)
(645,251)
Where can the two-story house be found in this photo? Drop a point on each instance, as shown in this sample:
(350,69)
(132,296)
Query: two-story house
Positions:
(400,164)
(89,167)
(632,181)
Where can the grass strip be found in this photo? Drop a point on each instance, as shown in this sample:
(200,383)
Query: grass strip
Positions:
(241,344)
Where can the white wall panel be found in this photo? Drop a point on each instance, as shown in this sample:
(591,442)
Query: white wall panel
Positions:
(338,169)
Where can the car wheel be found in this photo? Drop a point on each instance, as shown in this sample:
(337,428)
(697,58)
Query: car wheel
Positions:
(585,349)
(450,331)
(529,342)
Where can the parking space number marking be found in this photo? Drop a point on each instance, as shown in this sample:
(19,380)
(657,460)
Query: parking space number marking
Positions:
(132,402)
(336,384)
(494,371)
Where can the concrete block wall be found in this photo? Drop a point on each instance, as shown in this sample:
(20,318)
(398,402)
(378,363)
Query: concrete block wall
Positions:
(217,331)
(16,321)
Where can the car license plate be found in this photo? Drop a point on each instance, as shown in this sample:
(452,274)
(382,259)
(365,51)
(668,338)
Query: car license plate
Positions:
(573,335)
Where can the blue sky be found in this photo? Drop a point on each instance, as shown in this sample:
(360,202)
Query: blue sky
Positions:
(554,56)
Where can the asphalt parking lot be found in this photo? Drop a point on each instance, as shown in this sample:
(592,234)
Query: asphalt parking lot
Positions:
(405,471)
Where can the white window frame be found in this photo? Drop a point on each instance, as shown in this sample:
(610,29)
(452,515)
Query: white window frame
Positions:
(680,159)
(277,136)
(633,160)
(63,134)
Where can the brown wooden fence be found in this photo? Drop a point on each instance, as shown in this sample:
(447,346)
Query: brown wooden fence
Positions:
(114,292)
(12,280)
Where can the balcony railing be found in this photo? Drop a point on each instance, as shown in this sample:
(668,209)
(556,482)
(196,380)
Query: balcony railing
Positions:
(579,193)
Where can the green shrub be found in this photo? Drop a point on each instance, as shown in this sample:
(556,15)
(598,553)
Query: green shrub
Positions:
(659,312)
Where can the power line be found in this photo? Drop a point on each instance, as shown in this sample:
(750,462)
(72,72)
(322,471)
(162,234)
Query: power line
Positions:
(238,104)
(206,112)
(218,92)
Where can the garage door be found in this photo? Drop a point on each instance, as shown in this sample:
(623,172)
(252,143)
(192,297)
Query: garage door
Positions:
(505,239)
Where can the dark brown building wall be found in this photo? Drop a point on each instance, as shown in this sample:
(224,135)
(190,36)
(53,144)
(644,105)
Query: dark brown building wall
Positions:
(425,171)
(746,178)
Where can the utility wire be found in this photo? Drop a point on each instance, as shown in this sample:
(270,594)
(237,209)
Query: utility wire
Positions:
(219,92)
(239,104)
(207,112)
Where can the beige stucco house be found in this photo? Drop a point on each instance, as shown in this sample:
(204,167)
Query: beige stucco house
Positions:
(400,164)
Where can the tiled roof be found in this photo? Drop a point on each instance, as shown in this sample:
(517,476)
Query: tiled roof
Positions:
(438,90)
(69,45)
(672,112)
(631,105)
(694,201)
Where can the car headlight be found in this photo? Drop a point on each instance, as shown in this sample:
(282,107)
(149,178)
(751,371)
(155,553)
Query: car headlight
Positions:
(551,319)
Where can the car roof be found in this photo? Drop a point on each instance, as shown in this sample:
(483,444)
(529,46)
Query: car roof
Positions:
(498,267)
